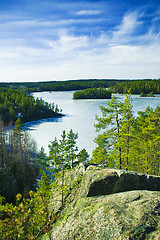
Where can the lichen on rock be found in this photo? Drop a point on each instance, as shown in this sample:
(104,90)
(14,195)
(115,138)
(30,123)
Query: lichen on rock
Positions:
(110,204)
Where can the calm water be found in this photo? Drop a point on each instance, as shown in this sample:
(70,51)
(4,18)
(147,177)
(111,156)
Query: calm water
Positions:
(80,116)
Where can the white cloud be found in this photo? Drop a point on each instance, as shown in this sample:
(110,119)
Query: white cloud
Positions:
(129,24)
(88,12)
(123,61)
(67,43)
(52,49)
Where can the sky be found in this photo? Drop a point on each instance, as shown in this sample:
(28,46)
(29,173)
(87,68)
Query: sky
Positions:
(45,40)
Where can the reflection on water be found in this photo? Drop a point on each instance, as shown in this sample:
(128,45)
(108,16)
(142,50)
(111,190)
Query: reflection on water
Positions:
(79,115)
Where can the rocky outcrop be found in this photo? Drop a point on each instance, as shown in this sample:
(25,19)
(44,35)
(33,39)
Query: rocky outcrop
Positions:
(109,181)
(111,204)
(130,215)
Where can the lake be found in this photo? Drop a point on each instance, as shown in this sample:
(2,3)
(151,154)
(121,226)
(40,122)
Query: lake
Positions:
(79,116)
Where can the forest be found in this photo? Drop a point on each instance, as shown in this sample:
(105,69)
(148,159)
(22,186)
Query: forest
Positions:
(137,87)
(28,177)
(18,169)
(126,142)
(16,103)
(92,93)
(144,86)
(69,85)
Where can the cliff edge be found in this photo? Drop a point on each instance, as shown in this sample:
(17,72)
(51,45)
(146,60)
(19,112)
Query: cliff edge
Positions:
(110,204)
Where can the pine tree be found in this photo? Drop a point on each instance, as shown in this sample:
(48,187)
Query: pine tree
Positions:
(146,145)
(71,147)
(83,156)
(111,123)
(42,159)
(54,153)
(126,128)
(100,154)
(18,173)
(62,155)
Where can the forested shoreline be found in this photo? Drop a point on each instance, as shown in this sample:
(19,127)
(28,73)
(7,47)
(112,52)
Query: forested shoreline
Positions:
(123,142)
(92,93)
(126,143)
(16,103)
(137,87)
(71,85)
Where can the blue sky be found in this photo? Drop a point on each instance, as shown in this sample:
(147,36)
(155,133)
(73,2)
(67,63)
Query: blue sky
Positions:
(66,39)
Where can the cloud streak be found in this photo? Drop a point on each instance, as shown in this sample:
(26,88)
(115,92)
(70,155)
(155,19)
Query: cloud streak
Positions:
(88,12)
(83,43)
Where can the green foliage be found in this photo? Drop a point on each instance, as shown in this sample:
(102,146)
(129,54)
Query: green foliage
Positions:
(141,87)
(30,217)
(143,94)
(16,103)
(126,142)
(92,93)
(145,151)
(100,156)
(117,86)
(61,85)
(126,133)
(54,153)
(42,159)
(63,153)
(71,147)
(18,170)
(107,141)
(150,94)
(34,215)
(83,156)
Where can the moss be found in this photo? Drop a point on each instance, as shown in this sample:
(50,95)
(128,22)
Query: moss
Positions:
(124,215)
(63,217)
(110,217)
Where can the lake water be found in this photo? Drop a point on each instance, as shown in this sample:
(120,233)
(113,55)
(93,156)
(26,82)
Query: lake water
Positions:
(79,116)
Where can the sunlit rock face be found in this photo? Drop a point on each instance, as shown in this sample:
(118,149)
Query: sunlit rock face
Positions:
(110,204)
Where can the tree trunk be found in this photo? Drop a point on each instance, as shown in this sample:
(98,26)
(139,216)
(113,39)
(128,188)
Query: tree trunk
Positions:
(62,184)
(120,150)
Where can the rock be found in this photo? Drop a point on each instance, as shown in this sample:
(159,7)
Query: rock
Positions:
(110,204)
(97,181)
(128,215)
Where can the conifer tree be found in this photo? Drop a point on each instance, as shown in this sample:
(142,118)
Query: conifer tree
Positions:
(42,158)
(100,154)
(111,123)
(18,173)
(83,156)
(146,145)
(126,129)
(54,153)
(71,147)
(63,153)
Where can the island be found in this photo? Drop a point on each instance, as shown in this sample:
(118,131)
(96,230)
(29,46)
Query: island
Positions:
(92,93)
(146,95)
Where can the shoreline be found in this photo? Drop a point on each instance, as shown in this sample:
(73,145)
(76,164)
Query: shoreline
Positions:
(24,124)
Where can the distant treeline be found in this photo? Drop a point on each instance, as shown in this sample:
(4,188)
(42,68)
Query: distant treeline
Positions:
(15,103)
(92,93)
(137,87)
(69,85)
(145,86)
